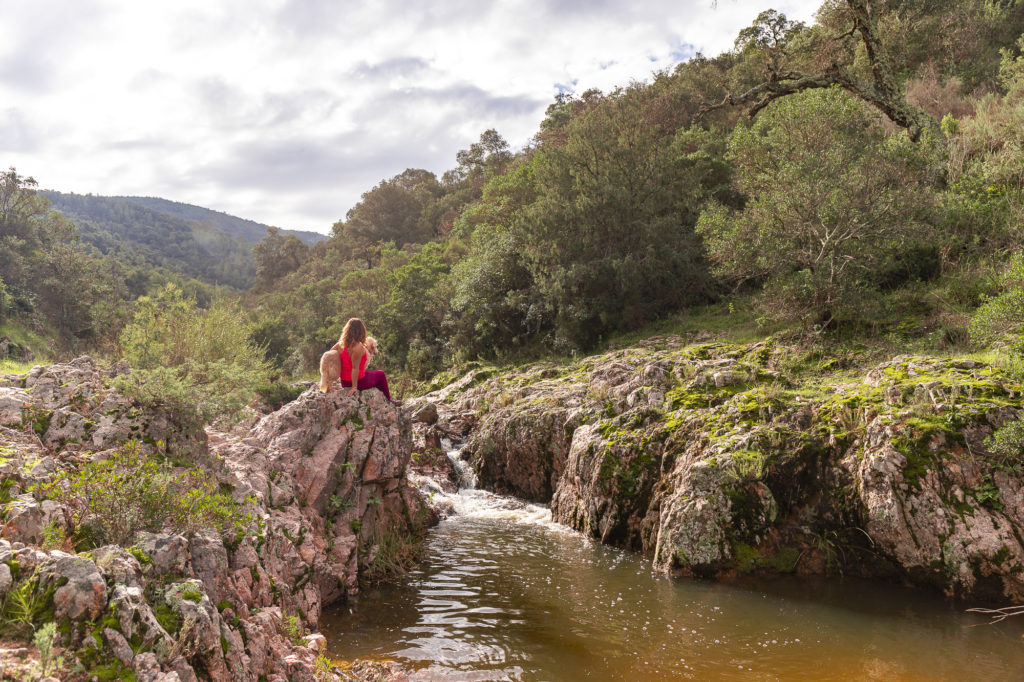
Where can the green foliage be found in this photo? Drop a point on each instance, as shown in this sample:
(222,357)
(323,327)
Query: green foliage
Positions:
(154,233)
(414,311)
(46,272)
(25,606)
(278,392)
(193,595)
(1007,444)
(323,668)
(277,255)
(1001,318)
(831,201)
(395,554)
(54,536)
(291,627)
(129,491)
(45,641)
(609,239)
(198,364)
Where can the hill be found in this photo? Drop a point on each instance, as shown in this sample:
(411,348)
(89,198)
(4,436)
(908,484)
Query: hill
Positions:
(249,230)
(209,245)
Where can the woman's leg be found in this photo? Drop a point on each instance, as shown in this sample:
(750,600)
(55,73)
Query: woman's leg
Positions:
(375,378)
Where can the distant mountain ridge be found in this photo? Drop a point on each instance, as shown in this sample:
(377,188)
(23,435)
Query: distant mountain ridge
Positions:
(249,230)
(209,245)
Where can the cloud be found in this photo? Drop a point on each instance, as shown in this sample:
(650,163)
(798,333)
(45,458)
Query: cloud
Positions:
(394,67)
(286,111)
(17,133)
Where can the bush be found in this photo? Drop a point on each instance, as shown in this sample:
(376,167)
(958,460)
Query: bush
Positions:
(1000,320)
(198,364)
(1007,444)
(278,392)
(129,492)
(834,205)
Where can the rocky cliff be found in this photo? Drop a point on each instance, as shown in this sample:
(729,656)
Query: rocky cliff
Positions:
(319,488)
(717,459)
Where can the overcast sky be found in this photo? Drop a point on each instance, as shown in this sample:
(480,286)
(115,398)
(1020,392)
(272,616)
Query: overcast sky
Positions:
(286,111)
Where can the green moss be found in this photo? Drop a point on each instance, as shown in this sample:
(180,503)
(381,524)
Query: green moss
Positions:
(143,558)
(192,595)
(36,418)
(746,556)
(784,561)
(168,618)
(114,671)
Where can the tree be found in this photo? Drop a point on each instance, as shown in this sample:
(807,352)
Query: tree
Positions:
(771,34)
(277,255)
(609,241)
(396,210)
(830,200)
(483,159)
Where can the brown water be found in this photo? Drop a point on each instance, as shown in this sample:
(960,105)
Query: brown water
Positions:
(507,595)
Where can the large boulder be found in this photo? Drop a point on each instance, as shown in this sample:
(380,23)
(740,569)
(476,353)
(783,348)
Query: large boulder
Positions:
(322,482)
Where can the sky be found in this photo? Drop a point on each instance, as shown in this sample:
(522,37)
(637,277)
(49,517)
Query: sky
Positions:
(286,111)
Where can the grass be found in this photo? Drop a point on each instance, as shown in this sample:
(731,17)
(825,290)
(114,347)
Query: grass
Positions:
(39,344)
(9,366)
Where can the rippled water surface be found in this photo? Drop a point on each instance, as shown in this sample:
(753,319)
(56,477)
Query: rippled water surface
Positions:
(506,594)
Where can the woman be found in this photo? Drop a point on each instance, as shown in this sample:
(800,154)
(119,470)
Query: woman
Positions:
(347,360)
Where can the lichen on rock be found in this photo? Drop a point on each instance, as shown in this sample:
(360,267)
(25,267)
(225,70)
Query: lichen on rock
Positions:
(322,483)
(714,459)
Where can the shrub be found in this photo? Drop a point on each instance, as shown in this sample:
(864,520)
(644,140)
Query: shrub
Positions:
(129,491)
(277,392)
(1001,318)
(45,640)
(198,364)
(1007,444)
(832,200)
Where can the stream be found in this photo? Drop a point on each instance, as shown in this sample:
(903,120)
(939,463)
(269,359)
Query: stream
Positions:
(506,594)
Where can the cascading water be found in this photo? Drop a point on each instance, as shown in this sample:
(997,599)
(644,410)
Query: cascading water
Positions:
(470,502)
(507,594)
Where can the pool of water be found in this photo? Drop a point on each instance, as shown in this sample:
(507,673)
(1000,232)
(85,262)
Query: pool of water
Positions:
(505,594)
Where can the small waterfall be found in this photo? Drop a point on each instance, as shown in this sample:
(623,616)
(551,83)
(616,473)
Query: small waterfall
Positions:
(469,502)
(467,477)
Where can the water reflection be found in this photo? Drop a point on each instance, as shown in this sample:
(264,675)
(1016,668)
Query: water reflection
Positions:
(507,595)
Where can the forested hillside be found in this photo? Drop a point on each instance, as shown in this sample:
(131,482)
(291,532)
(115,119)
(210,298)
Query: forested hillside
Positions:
(853,181)
(211,246)
(857,177)
(249,230)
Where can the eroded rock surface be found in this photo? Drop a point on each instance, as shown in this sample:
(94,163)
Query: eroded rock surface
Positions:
(323,480)
(712,461)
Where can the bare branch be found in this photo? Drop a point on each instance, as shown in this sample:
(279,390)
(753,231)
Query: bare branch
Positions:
(998,615)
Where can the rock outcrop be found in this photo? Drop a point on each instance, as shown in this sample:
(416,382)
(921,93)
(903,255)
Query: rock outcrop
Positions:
(322,482)
(714,459)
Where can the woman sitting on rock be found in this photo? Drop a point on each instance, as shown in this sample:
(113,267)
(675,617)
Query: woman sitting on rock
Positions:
(347,360)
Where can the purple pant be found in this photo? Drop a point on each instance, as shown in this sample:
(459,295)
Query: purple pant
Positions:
(373,379)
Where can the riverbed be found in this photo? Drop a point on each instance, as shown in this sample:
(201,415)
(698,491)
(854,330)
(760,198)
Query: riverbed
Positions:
(506,594)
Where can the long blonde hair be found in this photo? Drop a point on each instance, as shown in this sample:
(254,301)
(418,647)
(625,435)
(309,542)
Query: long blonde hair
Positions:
(330,362)
(354,332)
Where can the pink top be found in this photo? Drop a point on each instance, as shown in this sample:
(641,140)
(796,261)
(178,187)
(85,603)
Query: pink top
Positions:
(346,366)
